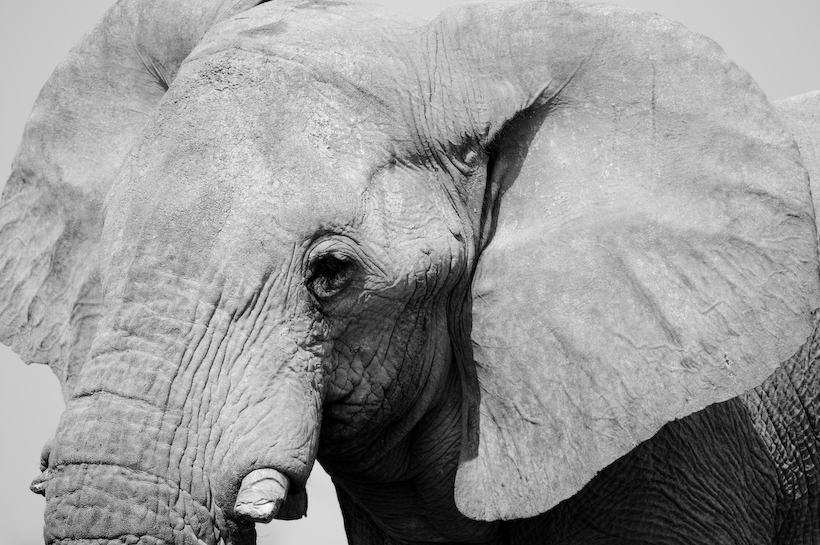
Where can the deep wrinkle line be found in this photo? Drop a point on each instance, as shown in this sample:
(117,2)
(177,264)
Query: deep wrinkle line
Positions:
(316,73)
(180,368)
(211,446)
(394,385)
(219,359)
(205,398)
(111,354)
(777,443)
(187,363)
(103,392)
(149,477)
(210,331)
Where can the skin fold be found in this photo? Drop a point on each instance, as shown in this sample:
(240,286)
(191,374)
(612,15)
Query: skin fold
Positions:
(526,273)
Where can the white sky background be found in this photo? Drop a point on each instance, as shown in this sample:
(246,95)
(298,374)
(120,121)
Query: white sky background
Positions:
(777,42)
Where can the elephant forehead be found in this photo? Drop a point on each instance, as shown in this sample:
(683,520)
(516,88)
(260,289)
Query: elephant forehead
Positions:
(360,43)
(243,160)
(359,55)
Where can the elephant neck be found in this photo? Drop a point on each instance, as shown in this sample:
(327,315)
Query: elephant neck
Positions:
(785,411)
(405,492)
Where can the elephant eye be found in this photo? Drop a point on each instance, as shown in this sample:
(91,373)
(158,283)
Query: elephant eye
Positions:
(329,275)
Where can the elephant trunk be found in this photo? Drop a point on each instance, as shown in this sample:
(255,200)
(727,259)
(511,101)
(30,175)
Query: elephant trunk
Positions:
(198,409)
(136,510)
(166,443)
(90,503)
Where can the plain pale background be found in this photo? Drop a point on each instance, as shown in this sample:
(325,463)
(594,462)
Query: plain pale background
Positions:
(777,42)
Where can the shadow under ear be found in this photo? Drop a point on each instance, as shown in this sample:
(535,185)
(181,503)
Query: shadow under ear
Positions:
(508,152)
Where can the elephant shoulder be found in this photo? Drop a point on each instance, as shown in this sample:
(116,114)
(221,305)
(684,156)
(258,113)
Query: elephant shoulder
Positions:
(785,411)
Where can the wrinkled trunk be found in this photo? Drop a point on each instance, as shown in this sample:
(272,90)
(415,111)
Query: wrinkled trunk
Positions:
(199,403)
(98,502)
(182,430)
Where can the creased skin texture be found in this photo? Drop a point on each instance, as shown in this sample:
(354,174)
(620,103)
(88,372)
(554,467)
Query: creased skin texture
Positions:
(110,502)
(504,274)
(86,119)
(669,490)
(133,452)
(786,413)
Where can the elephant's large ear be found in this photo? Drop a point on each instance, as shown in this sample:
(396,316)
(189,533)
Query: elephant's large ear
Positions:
(649,245)
(84,122)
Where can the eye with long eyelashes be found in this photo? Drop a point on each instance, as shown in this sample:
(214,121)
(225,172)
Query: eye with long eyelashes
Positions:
(329,274)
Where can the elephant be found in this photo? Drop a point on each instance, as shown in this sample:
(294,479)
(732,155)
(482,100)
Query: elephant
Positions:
(540,272)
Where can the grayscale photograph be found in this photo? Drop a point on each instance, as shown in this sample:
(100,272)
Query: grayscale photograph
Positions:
(510,272)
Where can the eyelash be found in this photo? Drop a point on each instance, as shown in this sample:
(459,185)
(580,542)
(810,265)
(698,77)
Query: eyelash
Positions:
(329,275)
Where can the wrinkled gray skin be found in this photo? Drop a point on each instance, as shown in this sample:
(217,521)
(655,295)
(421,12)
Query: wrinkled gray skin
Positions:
(533,273)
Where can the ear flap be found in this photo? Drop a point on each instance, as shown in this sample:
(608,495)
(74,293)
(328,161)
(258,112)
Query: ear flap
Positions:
(85,120)
(651,250)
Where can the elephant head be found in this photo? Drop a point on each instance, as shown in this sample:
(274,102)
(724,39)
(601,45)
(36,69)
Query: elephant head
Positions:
(467,263)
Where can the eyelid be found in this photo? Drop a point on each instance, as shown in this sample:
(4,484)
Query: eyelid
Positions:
(325,279)
(335,245)
(346,249)
(315,257)
(335,254)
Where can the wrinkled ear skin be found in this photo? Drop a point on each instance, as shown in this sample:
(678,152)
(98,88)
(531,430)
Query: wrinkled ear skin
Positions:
(49,291)
(84,122)
(651,249)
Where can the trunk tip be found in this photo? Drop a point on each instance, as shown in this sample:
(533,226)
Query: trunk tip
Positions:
(261,494)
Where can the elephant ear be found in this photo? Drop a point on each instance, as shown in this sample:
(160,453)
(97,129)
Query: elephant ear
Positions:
(84,122)
(649,242)
(802,117)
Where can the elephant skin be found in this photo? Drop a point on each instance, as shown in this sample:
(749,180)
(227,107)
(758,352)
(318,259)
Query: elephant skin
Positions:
(541,272)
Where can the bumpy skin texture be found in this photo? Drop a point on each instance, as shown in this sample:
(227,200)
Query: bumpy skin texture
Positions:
(524,273)
(742,471)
